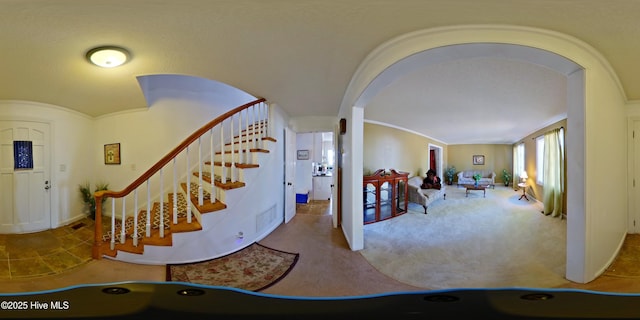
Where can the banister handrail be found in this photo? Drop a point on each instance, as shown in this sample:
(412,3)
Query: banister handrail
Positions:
(169,156)
(155,169)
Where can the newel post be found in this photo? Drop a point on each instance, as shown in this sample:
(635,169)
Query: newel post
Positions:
(97,240)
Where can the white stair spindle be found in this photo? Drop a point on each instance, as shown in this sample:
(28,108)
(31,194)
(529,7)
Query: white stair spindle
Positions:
(188,188)
(123,235)
(261,122)
(175,192)
(113,224)
(264,125)
(223,176)
(200,190)
(212,176)
(135,217)
(161,227)
(255,126)
(267,119)
(240,159)
(232,173)
(246,134)
(148,223)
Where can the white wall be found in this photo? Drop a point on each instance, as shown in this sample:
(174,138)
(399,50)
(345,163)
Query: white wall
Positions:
(313,124)
(605,150)
(352,220)
(304,168)
(145,135)
(72,137)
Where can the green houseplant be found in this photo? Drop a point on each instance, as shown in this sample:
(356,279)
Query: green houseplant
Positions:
(506,176)
(89,199)
(450,172)
(477,177)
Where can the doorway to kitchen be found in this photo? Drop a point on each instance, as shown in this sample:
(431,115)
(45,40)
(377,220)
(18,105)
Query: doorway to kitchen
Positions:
(315,172)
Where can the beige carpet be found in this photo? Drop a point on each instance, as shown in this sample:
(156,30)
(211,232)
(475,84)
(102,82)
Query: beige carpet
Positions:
(471,242)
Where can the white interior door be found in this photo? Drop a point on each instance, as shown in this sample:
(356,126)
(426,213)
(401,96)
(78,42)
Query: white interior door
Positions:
(290,174)
(634,216)
(25,201)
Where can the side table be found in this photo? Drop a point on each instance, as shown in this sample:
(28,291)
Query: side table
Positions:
(523,186)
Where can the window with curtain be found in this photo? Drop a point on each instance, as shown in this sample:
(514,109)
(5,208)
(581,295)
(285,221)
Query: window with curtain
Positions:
(553,175)
(540,160)
(518,161)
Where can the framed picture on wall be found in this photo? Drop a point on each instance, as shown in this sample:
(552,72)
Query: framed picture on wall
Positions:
(303,154)
(478,159)
(112,153)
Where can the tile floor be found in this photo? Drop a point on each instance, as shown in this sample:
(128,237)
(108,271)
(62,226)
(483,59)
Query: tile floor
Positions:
(47,252)
(319,207)
(51,252)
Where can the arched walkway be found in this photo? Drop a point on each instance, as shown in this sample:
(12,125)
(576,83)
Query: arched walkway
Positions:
(560,52)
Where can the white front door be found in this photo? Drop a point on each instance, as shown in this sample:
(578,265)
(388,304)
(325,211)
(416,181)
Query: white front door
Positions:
(25,201)
(290,174)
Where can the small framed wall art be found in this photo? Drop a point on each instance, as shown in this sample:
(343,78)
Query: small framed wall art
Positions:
(303,154)
(112,153)
(343,126)
(478,159)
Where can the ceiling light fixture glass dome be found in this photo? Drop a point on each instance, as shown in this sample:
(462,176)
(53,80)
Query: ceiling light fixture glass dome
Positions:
(108,56)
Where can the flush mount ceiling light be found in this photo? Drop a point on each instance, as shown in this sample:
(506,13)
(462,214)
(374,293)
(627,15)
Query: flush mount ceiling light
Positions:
(108,56)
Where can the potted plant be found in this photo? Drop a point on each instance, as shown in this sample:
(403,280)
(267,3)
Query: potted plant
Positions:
(506,176)
(477,177)
(450,172)
(89,199)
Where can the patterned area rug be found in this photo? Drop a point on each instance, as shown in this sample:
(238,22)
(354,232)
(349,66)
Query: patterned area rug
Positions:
(253,268)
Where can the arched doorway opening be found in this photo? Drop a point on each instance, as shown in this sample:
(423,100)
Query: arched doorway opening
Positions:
(588,249)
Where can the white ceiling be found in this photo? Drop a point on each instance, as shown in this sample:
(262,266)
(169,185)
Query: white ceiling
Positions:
(473,93)
(301,54)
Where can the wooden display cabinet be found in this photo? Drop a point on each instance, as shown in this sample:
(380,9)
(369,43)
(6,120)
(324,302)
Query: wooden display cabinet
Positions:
(384,195)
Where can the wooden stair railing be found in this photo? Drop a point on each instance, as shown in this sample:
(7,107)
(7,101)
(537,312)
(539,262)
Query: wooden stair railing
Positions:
(252,117)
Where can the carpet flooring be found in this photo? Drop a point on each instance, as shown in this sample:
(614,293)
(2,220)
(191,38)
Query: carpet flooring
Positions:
(471,241)
(254,268)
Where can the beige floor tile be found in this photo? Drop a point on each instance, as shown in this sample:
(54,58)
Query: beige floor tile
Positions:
(29,267)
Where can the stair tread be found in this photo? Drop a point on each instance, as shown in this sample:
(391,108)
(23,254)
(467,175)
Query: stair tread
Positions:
(236,164)
(244,151)
(207,205)
(228,185)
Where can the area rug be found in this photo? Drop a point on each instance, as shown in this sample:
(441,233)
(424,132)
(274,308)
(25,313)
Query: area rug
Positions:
(253,268)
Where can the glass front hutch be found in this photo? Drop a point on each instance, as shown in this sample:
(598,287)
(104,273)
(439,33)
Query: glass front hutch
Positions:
(384,195)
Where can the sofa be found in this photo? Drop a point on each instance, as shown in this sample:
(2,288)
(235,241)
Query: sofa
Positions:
(487,177)
(423,197)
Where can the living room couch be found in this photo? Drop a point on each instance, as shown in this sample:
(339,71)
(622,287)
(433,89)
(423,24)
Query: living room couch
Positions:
(487,177)
(423,197)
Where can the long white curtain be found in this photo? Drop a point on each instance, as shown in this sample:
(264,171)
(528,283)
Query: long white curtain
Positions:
(518,163)
(553,189)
